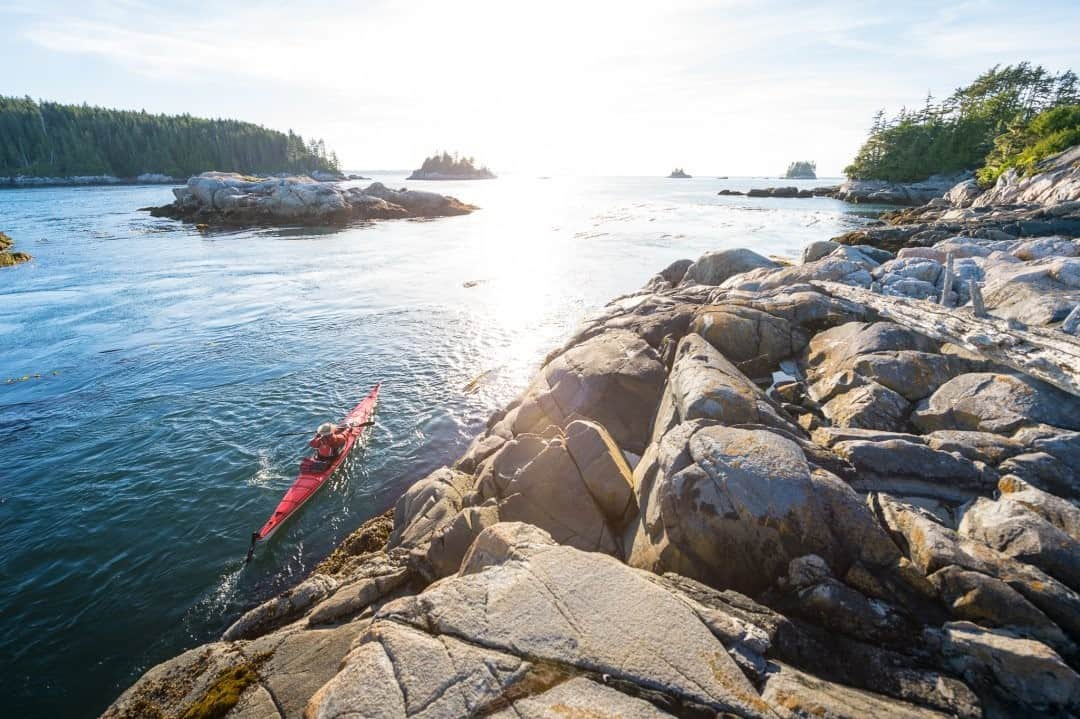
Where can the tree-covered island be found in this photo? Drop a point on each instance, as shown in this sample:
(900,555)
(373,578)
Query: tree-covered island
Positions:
(444,166)
(801,170)
(52,140)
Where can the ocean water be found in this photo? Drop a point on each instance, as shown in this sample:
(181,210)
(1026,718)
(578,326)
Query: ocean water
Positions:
(148,373)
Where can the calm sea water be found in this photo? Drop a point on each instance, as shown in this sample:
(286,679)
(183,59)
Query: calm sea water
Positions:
(148,372)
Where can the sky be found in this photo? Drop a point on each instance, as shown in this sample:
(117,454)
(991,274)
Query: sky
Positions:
(589,87)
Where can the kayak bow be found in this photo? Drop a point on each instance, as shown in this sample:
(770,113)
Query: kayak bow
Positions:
(315,472)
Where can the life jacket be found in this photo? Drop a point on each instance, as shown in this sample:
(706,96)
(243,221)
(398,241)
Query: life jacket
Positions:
(329,446)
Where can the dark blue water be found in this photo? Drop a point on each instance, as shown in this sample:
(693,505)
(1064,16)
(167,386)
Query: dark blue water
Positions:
(147,371)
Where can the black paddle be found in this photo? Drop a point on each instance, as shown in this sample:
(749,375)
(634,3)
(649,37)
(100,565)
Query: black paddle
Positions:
(294,434)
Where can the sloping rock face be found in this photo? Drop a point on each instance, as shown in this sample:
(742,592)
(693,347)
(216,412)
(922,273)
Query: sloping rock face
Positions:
(231,199)
(737,496)
(1056,180)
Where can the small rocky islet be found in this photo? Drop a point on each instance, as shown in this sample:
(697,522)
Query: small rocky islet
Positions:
(228,198)
(845,487)
(445,166)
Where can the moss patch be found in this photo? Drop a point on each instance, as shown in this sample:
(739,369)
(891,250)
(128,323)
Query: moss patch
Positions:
(223,694)
(370,537)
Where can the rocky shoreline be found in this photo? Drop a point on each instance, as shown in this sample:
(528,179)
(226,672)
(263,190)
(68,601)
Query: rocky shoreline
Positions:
(223,198)
(875,192)
(839,488)
(480,174)
(87,180)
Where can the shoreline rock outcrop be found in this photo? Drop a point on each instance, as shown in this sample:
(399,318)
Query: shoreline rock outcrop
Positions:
(734,492)
(230,199)
(8,256)
(1045,204)
(883,192)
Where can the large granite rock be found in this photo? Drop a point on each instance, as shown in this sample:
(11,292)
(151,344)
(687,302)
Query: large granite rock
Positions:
(865,404)
(993,402)
(541,482)
(798,695)
(1039,292)
(834,268)
(1018,531)
(754,341)
(1059,512)
(901,466)
(1019,670)
(703,384)
(427,505)
(732,507)
(933,547)
(713,268)
(614,378)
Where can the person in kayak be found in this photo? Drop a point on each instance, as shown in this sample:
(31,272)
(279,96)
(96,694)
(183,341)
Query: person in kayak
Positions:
(328,441)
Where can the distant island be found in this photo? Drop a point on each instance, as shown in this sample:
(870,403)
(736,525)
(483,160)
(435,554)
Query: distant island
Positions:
(679,174)
(801,170)
(451,167)
(45,143)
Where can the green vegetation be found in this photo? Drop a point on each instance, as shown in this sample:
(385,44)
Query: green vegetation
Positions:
(957,134)
(224,694)
(48,139)
(1024,145)
(802,170)
(447,164)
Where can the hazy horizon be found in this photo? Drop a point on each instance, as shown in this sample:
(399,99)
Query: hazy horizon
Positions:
(720,88)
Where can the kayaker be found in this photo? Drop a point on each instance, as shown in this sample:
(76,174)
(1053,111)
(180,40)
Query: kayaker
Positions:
(328,441)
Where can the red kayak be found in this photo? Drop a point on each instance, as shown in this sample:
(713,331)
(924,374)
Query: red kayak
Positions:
(315,472)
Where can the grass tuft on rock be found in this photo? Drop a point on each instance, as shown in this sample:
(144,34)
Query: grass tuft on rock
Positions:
(224,694)
(370,537)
